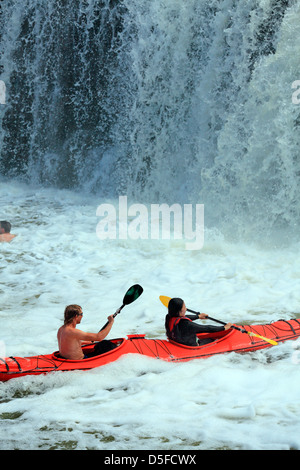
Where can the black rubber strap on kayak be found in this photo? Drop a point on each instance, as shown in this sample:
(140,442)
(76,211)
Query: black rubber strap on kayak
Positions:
(291,326)
(6,365)
(14,359)
(297,321)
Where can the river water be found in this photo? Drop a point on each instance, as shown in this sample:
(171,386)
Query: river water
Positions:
(231,401)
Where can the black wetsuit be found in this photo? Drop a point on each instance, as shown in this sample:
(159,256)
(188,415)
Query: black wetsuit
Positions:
(185,331)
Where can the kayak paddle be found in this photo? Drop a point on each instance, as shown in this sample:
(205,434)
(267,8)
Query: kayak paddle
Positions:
(165,301)
(131,295)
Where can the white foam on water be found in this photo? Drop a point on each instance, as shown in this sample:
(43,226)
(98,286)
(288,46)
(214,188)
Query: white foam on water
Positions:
(230,401)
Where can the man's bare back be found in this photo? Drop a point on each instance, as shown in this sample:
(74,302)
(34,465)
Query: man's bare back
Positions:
(69,338)
(68,342)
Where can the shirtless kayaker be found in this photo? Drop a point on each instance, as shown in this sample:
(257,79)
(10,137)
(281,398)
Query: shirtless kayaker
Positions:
(69,338)
(5,235)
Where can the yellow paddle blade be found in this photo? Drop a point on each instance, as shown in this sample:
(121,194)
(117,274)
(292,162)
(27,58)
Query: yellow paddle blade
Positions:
(164,300)
(271,341)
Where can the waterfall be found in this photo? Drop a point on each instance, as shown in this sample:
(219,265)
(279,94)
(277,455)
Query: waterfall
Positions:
(161,100)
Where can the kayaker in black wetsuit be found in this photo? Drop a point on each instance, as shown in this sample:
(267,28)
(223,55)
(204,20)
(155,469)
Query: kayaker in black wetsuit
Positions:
(180,327)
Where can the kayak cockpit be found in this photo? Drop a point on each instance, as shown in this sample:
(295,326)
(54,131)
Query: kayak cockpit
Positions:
(88,349)
(217,335)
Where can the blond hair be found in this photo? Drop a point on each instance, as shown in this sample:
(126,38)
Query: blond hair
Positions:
(70,312)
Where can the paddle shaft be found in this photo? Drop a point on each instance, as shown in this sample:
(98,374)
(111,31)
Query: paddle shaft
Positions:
(219,321)
(131,295)
(114,315)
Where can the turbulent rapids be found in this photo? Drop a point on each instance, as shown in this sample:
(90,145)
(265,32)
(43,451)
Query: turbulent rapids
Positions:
(160,102)
(167,101)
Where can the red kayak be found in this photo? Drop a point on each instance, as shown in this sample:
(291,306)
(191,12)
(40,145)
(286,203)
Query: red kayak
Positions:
(224,342)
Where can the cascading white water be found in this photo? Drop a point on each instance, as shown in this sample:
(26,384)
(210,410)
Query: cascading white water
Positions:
(57,61)
(172,101)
